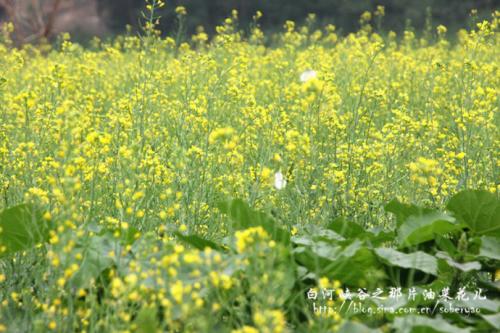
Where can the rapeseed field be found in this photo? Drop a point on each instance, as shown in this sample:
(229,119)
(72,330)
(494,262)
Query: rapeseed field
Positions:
(128,168)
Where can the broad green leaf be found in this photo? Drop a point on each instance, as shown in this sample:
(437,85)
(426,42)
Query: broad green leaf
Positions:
(198,242)
(351,230)
(21,228)
(446,244)
(243,217)
(314,233)
(323,249)
(325,234)
(147,320)
(2,81)
(493,286)
(422,228)
(96,259)
(490,247)
(302,271)
(354,265)
(378,237)
(239,213)
(417,260)
(388,302)
(493,320)
(464,267)
(421,324)
(464,320)
(346,228)
(488,304)
(351,326)
(479,210)
(303,240)
(404,211)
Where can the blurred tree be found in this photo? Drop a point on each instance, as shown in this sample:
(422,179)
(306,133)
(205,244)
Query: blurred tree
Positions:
(34,20)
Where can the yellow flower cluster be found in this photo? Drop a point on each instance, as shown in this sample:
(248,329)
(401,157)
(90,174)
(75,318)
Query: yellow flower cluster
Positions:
(248,237)
(425,171)
(270,321)
(225,135)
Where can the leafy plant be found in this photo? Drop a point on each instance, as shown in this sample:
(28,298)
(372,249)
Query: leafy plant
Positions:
(479,210)
(21,228)
(434,249)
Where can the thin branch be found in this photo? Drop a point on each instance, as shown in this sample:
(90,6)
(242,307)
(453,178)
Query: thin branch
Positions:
(51,18)
(38,12)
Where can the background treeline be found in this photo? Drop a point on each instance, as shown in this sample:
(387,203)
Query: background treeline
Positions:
(35,20)
(342,13)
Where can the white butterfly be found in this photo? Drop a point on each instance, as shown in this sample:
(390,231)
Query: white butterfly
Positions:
(308,75)
(279,181)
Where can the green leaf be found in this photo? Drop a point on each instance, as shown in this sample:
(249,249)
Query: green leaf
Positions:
(493,286)
(147,320)
(243,217)
(2,81)
(346,228)
(314,233)
(479,210)
(239,212)
(198,242)
(417,260)
(325,234)
(490,247)
(464,267)
(96,259)
(351,264)
(130,236)
(422,228)
(404,211)
(393,303)
(351,230)
(446,244)
(421,324)
(21,228)
(378,237)
(351,326)
(493,320)
(488,305)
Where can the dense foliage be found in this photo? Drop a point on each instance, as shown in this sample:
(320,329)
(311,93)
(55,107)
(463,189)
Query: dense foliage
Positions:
(343,13)
(119,165)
